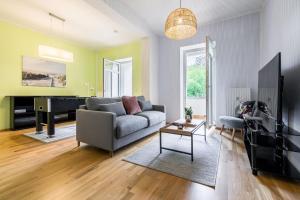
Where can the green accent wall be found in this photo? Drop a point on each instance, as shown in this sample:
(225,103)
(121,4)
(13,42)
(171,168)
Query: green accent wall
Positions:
(16,42)
(134,50)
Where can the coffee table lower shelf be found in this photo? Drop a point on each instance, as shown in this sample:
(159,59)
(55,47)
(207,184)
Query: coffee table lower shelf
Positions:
(189,130)
(175,150)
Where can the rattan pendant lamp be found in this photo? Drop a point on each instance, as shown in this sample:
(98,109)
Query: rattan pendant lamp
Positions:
(181,24)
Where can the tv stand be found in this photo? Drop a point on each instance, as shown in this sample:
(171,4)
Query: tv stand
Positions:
(277,153)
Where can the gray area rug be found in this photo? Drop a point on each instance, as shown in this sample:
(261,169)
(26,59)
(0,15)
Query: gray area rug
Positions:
(60,134)
(202,170)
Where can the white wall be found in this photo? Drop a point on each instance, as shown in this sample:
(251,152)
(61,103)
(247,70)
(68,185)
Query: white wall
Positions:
(237,58)
(150,61)
(154,70)
(125,15)
(280,32)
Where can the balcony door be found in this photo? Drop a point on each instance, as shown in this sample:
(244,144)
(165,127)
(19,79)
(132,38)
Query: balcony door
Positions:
(111,78)
(195,81)
(210,81)
(198,77)
(117,77)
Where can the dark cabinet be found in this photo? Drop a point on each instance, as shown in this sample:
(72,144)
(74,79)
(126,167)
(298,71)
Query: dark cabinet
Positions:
(22,114)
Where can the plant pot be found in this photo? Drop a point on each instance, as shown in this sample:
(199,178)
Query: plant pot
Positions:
(188,118)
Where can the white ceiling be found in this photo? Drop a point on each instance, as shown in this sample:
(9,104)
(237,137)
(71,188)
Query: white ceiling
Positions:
(92,22)
(155,12)
(84,23)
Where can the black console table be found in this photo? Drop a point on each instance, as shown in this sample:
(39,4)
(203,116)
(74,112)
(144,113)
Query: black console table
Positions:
(276,153)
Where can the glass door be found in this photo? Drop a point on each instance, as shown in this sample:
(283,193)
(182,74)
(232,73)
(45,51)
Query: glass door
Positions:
(195,81)
(111,78)
(125,76)
(210,80)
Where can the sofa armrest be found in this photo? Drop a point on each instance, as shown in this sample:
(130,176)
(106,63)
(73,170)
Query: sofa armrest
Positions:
(96,128)
(161,108)
(83,107)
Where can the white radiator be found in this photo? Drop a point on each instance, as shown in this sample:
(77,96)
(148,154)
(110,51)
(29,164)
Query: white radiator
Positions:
(234,97)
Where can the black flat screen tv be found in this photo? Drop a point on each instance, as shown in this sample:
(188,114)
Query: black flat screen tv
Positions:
(270,84)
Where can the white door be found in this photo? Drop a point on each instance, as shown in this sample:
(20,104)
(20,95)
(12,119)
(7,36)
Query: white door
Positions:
(210,80)
(111,78)
(125,76)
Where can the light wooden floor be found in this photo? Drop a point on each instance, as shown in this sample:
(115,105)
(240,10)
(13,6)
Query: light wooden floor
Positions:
(31,170)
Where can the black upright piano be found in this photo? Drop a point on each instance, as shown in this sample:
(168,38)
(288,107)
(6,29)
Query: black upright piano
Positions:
(51,106)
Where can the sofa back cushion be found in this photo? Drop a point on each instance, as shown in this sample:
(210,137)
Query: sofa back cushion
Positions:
(141,98)
(145,105)
(117,108)
(153,117)
(131,105)
(94,102)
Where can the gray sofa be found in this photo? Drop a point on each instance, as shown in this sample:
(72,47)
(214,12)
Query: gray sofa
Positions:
(110,132)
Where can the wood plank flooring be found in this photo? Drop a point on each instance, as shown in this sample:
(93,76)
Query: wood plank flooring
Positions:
(60,170)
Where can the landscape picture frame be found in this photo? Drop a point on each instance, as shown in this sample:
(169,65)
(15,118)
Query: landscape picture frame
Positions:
(40,72)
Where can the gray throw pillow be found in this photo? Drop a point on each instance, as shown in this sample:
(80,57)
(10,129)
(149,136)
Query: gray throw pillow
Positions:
(117,108)
(145,105)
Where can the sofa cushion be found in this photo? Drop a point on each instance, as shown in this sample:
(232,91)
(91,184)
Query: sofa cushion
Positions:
(145,105)
(141,98)
(117,108)
(128,124)
(131,105)
(153,117)
(94,102)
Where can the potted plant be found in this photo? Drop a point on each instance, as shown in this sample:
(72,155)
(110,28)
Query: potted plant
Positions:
(188,114)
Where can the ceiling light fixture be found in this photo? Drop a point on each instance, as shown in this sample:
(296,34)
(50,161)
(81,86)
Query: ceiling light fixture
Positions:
(55,54)
(181,24)
(57,17)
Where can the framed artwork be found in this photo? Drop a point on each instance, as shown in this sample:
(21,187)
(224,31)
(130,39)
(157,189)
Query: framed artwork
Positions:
(43,73)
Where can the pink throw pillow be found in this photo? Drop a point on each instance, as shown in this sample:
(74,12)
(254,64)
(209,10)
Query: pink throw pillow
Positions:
(131,105)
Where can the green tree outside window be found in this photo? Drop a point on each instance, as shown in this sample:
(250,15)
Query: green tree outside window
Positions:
(196,81)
